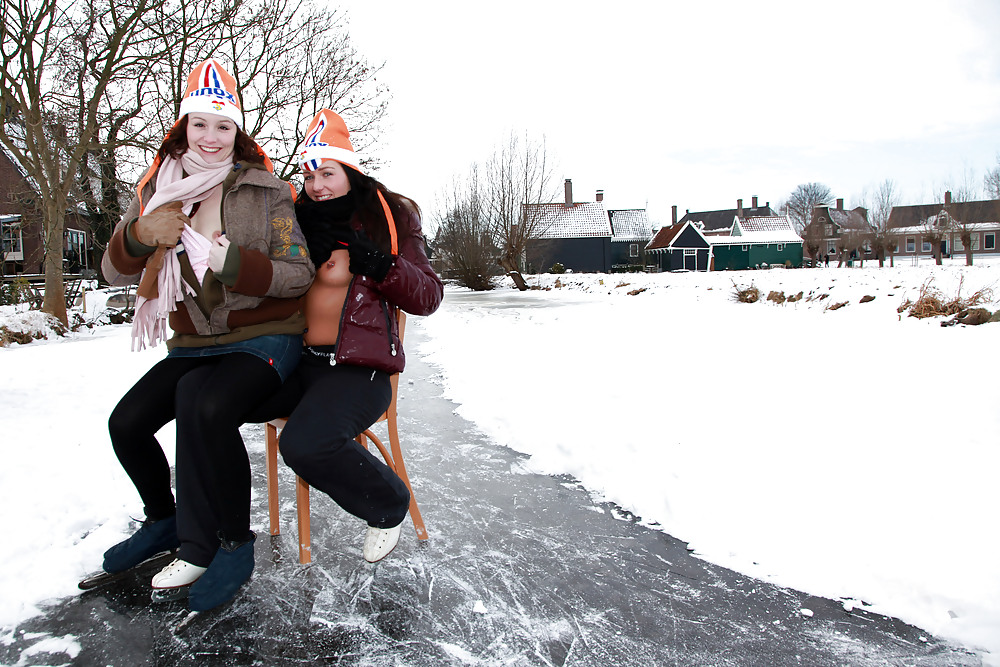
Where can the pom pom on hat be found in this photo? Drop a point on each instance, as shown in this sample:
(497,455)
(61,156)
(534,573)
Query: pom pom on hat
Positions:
(327,139)
(211,89)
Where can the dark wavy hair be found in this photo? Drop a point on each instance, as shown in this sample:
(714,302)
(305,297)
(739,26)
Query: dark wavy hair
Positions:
(368,209)
(245,149)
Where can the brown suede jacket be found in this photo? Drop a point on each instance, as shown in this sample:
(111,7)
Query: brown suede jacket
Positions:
(258,291)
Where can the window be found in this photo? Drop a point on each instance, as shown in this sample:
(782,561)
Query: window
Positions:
(829,230)
(781,246)
(76,250)
(13,250)
(744,247)
(989,241)
(831,247)
(925,246)
(911,244)
(633,249)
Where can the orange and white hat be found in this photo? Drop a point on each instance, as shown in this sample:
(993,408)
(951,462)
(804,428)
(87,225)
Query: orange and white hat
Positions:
(211,89)
(327,138)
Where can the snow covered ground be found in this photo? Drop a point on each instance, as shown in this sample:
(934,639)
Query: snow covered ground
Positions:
(848,453)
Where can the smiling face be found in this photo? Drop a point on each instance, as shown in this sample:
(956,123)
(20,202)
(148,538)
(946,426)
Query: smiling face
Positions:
(211,136)
(327,182)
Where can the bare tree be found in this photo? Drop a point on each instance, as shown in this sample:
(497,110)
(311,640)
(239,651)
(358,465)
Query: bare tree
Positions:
(991,182)
(58,64)
(964,212)
(934,230)
(801,202)
(464,238)
(290,58)
(102,85)
(879,206)
(518,178)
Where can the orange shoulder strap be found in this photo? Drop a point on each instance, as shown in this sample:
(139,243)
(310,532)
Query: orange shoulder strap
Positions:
(391,222)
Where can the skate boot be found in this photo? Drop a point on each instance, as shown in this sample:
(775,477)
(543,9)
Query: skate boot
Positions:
(152,538)
(174,581)
(231,568)
(379,542)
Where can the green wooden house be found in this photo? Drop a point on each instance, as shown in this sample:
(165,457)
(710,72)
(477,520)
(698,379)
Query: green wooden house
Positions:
(755,243)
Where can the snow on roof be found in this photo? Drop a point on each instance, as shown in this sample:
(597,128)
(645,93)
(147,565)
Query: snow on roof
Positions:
(583,220)
(769,229)
(972,227)
(630,225)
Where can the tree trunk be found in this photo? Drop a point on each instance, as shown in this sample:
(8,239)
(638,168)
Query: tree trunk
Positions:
(54,302)
(518,280)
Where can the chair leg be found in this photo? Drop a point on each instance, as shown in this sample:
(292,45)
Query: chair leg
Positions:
(400,468)
(302,508)
(271,465)
(395,462)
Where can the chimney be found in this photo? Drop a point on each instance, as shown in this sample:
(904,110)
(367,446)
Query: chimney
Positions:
(673,215)
(754,201)
(739,207)
(600,195)
(840,204)
(569,193)
(947,198)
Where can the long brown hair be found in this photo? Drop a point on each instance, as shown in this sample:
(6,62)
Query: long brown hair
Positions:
(245,149)
(368,209)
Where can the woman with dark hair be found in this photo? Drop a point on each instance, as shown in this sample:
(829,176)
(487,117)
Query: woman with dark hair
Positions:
(367,245)
(211,239)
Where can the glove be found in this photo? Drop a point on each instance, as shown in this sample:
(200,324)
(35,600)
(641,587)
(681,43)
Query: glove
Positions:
(161,227)
(367,259)
(217,253)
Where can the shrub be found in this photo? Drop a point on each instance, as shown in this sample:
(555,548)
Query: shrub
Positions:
(746,294)
(557,268)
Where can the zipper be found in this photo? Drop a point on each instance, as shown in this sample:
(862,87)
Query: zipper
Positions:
(388,326)
(340,325)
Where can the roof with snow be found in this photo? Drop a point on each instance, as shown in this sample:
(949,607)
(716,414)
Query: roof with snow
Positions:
(764,229)
(967,212)
(724,218)
(630,225)
(855,219)
(583,220)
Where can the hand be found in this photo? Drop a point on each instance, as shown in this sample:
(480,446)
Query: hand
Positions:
(162,226)
(367,259)
(217,253)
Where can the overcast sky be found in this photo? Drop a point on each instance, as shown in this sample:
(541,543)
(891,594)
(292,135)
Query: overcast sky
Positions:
(664,103)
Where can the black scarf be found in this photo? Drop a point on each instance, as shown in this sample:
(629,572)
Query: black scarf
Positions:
(326,225)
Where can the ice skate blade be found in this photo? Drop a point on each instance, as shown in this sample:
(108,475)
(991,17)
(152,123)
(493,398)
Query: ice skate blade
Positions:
(169,594)
(99,579)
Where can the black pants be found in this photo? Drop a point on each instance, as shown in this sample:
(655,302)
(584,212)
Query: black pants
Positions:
(327,407)
(209,398)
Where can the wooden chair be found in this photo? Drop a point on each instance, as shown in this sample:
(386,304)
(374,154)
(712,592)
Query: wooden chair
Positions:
(394,460)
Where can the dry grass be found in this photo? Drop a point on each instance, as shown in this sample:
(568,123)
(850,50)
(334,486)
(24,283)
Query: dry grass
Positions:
(931,302)
(746,294)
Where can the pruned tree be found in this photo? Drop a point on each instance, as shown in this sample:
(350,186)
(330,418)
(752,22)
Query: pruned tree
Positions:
(962,211)
(801,202)
(812,239)
(879,205)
